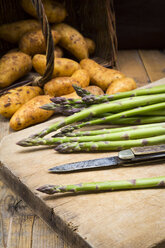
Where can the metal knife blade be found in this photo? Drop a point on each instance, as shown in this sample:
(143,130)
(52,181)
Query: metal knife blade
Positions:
(88,164)
(129,157)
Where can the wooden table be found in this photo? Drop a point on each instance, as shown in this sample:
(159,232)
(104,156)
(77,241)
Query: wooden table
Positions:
(19,227)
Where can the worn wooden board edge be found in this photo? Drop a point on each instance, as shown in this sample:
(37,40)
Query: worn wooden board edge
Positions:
(156,83)
(39,206)
(41,209)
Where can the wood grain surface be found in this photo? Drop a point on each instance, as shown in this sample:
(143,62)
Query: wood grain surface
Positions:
(137,216)
(19,226)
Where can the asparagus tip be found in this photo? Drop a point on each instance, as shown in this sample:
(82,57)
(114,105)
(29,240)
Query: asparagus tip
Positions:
(47,107)
(24,142)
(80,91)
(58,135)
(68,129)
(47,189)
(58,100)
(63,148)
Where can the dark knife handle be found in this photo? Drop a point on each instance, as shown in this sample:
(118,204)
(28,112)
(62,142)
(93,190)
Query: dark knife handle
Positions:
(140,159)
(148,149)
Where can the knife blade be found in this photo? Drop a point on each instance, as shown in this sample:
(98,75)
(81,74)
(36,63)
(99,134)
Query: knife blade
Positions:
(130,157)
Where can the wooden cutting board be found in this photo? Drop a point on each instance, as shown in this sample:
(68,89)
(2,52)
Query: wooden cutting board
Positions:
(122,219)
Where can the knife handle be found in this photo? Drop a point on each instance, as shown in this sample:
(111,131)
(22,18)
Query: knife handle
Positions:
(139,155)
(148,149)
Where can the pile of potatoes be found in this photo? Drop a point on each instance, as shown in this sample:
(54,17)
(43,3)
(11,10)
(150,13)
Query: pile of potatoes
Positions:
(22,104)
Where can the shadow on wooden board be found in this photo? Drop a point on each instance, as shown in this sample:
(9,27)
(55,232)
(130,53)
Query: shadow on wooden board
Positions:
(161,245)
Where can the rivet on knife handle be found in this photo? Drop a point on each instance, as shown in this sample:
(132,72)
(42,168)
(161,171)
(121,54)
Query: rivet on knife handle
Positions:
(126,154)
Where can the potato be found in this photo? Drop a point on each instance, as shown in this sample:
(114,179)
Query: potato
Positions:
(72,40)
(95,90)
(58,53)
(63,85)
(82,77)
(55,11)
(12,32)
(30,113)
(100,75)
(13,66)
(15,98)
(63,67)
(121,85)
(91,45)
(33,42)
(59,86)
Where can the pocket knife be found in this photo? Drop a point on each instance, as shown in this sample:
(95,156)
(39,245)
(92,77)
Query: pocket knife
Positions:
(129,157)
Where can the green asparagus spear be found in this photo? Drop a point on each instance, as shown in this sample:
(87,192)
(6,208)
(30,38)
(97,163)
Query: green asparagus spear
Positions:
(123,135)
(65,110)
(156,113)
(112,130)
(117,106)
(68,130)
(54,106)
(140,183)
(108,145)
(92,99)
(153,113)
(121,118)
(138,120)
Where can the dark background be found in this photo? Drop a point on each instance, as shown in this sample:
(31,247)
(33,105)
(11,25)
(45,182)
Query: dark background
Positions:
(140,23)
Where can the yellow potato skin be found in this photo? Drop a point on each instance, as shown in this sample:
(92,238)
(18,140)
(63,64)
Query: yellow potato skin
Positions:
(59,86)
(58,53)
(63,85)
(30,113)
(82,77)
(16,97)
(63,67)
(90,45)
(95,90)
(13,66)
(33,42)
(121,85)
(12,32)
(72,40)
(55,11)
(100,75)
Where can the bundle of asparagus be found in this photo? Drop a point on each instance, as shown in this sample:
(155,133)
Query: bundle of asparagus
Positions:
(128,108)
(137,107)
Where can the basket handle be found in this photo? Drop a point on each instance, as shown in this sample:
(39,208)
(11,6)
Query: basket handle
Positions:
(46,30)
